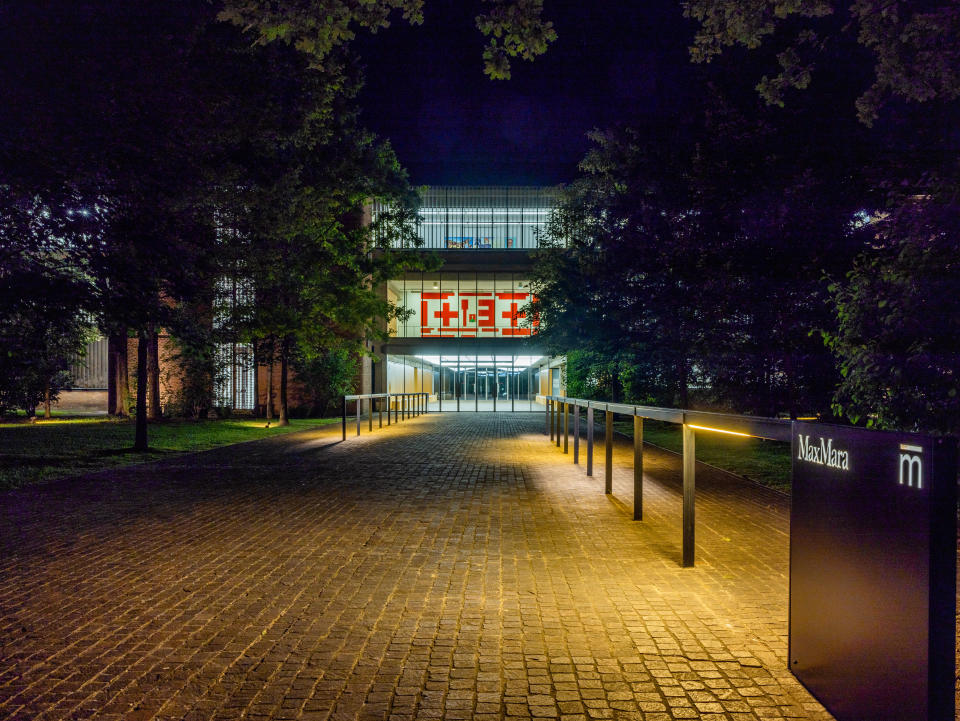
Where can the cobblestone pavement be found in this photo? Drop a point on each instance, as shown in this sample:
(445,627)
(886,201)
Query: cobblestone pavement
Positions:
(450,567)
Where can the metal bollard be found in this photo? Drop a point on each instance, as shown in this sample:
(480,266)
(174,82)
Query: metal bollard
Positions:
(589,440)
(546,416)
(370,414)
(556,423)
(358,416)
(380,408)
(689,494)
(608,443)
(566,425)
(637,468)
(344,408)
(576,434)
(550,419)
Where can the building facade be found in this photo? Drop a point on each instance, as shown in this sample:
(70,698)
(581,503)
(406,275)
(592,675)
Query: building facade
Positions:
(467,338)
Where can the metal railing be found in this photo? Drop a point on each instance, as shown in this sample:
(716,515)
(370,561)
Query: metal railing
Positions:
(692,421)
(403,405)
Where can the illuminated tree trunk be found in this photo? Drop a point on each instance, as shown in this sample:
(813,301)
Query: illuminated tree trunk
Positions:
(284,352)
(153,375)
(270,388)
(140,439)
(120,398)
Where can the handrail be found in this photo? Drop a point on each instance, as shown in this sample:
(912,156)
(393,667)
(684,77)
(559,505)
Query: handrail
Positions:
(775,429)
(410,405)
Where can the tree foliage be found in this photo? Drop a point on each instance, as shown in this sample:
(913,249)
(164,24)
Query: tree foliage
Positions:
(914,48)
(44,321)
(291,222)
(691,257)
(319,28)
(899,321)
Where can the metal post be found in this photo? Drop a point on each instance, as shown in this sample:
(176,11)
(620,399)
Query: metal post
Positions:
(388,409)
(566,426)
(608,447)
(358,416)
(344,408)
(370,414)
(550,418)
(689,488)
(380,407)
(556,423)
(576,433)
(637,468)
(546,416)
(589,440)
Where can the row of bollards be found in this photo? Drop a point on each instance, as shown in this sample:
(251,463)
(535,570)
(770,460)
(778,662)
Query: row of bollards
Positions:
(405,405)
(558,415)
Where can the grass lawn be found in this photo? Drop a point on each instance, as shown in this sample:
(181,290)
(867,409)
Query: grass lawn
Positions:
(766,462)
(41,451)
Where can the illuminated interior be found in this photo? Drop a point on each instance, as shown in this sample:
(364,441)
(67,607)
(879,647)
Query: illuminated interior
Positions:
(462,305)
(482,218)
(471,382)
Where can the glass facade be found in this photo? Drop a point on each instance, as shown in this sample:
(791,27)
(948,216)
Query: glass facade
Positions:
(469,382)
(235,381)
(482,218)
(236,377)
(466,304)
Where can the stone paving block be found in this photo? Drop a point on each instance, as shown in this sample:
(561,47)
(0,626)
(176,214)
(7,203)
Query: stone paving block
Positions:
(445,567)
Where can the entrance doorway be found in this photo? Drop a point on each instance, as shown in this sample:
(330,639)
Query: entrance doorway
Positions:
(469,382)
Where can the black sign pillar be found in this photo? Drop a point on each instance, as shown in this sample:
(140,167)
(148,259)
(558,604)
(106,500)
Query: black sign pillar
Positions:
(873,572)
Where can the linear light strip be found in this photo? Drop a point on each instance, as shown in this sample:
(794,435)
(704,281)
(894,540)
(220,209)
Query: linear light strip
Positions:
(720,430)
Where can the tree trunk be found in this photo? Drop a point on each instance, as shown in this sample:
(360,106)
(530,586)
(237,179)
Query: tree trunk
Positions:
(153,375)
(140,440)
(683,382)
(270,389)
(284,350)
(121,377)
(46,403)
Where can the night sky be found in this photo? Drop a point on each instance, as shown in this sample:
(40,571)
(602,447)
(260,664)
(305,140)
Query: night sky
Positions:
(450,124)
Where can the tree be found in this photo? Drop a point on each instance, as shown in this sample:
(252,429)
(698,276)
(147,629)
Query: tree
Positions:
(689,259)
(620,274)
(318,28)
(908,55)
(44,321)
(899,320)
(327,373)
(914,47)
(127,124)
(290,216)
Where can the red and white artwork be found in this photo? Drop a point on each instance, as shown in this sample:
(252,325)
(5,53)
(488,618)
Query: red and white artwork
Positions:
(470,315)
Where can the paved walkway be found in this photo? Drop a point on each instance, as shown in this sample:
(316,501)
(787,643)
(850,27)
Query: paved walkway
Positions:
(451,567)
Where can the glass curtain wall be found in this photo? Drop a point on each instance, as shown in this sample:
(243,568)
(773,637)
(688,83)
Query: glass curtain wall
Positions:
(468,382)
(482,218)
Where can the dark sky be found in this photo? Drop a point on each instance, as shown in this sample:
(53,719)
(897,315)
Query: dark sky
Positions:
(450,124)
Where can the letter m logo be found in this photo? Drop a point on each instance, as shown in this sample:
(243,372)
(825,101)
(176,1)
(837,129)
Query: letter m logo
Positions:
(911,465)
